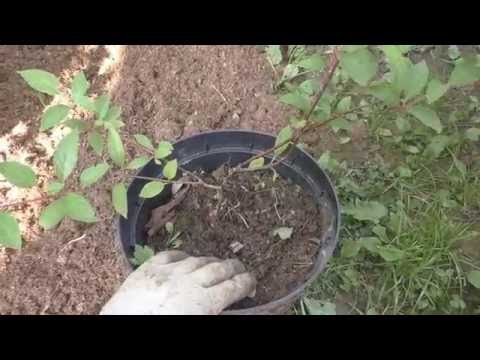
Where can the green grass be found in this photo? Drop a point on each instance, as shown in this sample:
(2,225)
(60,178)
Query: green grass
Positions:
(426,223)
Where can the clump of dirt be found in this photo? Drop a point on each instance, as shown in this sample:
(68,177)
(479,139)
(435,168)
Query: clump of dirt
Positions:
(240,222)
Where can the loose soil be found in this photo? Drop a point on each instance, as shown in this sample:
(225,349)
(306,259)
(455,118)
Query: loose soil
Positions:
(247,211)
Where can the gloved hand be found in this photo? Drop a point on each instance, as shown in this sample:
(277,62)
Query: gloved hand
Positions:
(174,283)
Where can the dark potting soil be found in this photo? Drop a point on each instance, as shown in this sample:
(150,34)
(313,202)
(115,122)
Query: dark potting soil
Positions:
(251,207)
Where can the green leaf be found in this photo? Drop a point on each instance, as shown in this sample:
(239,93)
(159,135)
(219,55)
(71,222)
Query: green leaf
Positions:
(297,123)
(52,215)
(380,231)
(404,172)
(53,116)
(96,142)
(405,48)
(297,100)
(257,163)
(472,134)
(54,187)
(400,67)
(418,79)
(144,141)
(79,89)
(163,150)
(344,104)
(427,117)
(462,169)
(465,72)
(78,208)
(66,155)
(284,135)
(360,65)
(353,48)
(274,53)
(390,253)
(41,80)
(85,102)
(80,125)
(340,124)
(113,114)
(80,85)
(151,189)
(309,86)
(457,303)
(317,307)
(367,210)
(435,90)
(453,52)
(327,162)
(384,132)
(283,232)
(92,174)
(117,124)
(9,231)
(142,254)
(350,248)
(119,199)
(115,147)
(385,92)
(138,162)
(289,72)
(436,146)
(102,105)
(314,62)
(170,169)
(473,278)
(402,124)
(412,149)
(370,243)
(18,174)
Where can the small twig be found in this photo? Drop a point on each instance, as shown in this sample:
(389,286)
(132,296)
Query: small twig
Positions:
(325,80)
(72,241)
(243,219)
(21,202)
(230,209)
(199,179)
(308,129)
(275,205)
(221,95)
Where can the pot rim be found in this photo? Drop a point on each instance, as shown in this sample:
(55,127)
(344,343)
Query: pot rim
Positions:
(324,253)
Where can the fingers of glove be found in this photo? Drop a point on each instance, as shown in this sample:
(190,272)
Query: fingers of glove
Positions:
(167,257)
(190,264)
(216,272)
(157,266)
(230,291)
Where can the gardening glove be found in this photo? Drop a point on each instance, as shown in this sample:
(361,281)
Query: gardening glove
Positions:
(174,283)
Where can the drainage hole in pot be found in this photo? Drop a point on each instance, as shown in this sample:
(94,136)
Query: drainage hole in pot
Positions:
(271,225)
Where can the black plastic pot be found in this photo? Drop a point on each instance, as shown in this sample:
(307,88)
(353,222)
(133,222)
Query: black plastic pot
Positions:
(208,151)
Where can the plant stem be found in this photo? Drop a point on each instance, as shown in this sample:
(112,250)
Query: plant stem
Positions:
(325,80)
(21,202)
